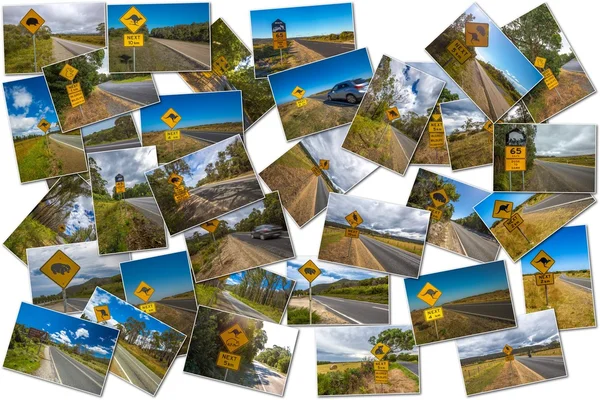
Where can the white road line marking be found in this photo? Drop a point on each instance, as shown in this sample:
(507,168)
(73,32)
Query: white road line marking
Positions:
(137,205)
(66,144)
(137,364)
(122,97)
(121,368)
(381,308)
(573,283)
(336,311)
(54,365)
(76,366)
(482,315)
(260,380)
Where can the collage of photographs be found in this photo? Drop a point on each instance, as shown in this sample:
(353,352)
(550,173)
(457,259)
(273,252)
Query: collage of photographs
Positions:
(128,167)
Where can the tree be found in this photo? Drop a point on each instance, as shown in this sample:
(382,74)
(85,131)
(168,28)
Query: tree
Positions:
(101,28)
(98,183)
(396,338)
(427,182)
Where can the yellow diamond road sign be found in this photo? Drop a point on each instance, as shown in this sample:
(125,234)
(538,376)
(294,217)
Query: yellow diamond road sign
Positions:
(542,261)
(489,126)
(102,313)
(210,226)
(144,291)
(392,113)
(429,294)
(68,72)
(171,118)
(60,269)
(44,125)
(502,209)
(234,338)
(309,271)
(477,34)
(507,349)
(354,219)
(32,21)
(439,197)
(380,350)
(298,92)
(175,179)
(133,20)
(324,164)
(540,62)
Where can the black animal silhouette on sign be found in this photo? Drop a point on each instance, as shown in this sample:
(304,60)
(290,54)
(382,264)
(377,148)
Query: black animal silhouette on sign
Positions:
(431,293)
(474,36)
(173,117)
(298,91)
(393,113)
(134,19)
(59,268)
(236,332)
(310,271)
(379,350)
(355,217)
(439,197)
(325,163)
(175,179)
(32,21)
(44,124)
(503,208)
(144,290)
(481,30)
(210,224)
(232,342)
(103,312)
(544,261)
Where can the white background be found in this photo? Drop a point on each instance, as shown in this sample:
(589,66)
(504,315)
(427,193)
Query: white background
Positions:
(401,29)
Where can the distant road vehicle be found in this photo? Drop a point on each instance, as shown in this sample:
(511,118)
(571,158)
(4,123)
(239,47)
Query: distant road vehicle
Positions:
(350,91)
(266,231)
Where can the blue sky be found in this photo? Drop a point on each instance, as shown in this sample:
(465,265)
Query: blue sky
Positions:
(235,279)
(486,207)
(71,331)
(503,55)
(320,75)
(303,21)
(458,283)
(329,272)
(28,102)
(568,247)
(194,109)
(161,15)
(106,124)
(434,69)
(168,275)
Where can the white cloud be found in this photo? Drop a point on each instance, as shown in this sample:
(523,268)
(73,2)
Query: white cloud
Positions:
(82,333)
(21,97)
(61,337)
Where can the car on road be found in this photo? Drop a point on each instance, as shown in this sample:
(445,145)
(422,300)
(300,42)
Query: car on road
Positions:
(350,91)
(266,231)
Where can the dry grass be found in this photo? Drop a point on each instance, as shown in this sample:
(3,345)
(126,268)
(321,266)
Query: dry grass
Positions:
(588,160)
(335,246)
(550,352)
(67,160)
(341,366)
(471,151)
(479,376)
(429,156)
(574,307)
(497,295)
(169,151)
(325,316)
(414,248)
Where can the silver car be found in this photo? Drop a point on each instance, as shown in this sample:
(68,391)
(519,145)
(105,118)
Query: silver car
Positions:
(350,91)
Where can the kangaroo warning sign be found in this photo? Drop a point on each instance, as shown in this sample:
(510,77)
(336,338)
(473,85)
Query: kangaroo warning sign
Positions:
(102,313)
(309,271)
(68,72)
(380,350)
(354,219)
(429,294)
(144,291)
(502,209)
(210,226)
(298,92)
(279,32)
(234,338)
(477,34)
(32,21)
(489,126)
(459,51)
(43,125)
(542,261)
(62,228)
(540,62)
(133,20)
(324,164)
(229,361)
(507,349)
(392,113)
(439,197)
(171,118)
(60,269)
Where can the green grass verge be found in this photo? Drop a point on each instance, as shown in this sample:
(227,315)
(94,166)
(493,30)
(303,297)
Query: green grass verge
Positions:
(269,311)
(23,358)
(30,233)
(299,316)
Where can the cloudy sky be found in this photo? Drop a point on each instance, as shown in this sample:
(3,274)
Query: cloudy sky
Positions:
(341,344)
(565,140)
(532,329)
(61,18)
(434,69)
(455,113)
(81,213)
(379,216)
(345,168)
(84,254)
(280,335)
(131,163)
(329,272)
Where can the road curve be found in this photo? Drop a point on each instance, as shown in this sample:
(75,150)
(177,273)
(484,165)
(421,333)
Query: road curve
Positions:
(182,304)
(241,308)
(501,310)
(281,246)
(141,93)
(408,145)
(557,200)
(568,177)
(547,366)
(476,245)
(210,137)
(147,206)
(124,144)
(75,374)
(393,259)
(583,283)
(197,52)
(497,103)
(412,367)
(322,195)
(269,380)
(137,373)
(75,48)
(354,311)
(326,49)
(70,140)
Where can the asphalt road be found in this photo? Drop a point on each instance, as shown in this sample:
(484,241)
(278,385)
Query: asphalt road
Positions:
(78,304)
(125,144)
(556,200)
(357,312)
(497,104)
(69,140)
(584,283)
(573,65)
(182,304)
(475,245)
(337,103)
(210,137)
(141,93)
(569,177)
(75,48)
(393,259)
(326,49)
(242,308)
(408,145)
(413,367)
(268,380)
(137,373)
(197,52)
(237,192)
(74,374)
(547,366)
(501,310)
(322,195)
(147,206)
(281,246)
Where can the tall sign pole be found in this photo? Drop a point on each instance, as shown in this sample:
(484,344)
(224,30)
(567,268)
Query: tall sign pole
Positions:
(211,226)
(279,30)
(430,295)
(133,21)
(32,21)
(310,272)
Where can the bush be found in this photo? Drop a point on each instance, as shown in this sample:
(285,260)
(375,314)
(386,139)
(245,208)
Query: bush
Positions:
(299,316)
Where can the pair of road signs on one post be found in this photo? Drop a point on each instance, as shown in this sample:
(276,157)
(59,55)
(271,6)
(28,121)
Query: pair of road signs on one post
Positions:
(323,165)
(438,198)
(299,93)
(133,21)
(310,272)
(508,351)
(279,31)
(437,134)
(543,262)
(144,292)
(234,338)
(219,67)
(504,210)
(119,183)
(180,192)
(354,219)
(430,295)
(380,367)
(211,226)
(476,35)
(61,269)
(74,90)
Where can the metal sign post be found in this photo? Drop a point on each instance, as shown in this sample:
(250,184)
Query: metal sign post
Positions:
(310,272)
(133,21)
(32,21)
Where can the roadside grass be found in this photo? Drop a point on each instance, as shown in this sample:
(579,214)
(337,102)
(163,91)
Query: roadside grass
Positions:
(300,316)
(341,366)
(462,150)
(373,294)
(171,150)
(427,155)
(578,274)
(206,295)
(295,158)
(91,146)
(314,117)
(30,233)
(588,160)
(330,236)
(497,295)
(574,307)
(537,227)
(139,78)
(93,364)
(271,312)
(267,60)
(364,139)
(65,159)
(479,376)
(23,357)
(98,40)
(152,364)
(33,158)
(409,374)
(549,352)
(414,248)
(21,61)
(228,127)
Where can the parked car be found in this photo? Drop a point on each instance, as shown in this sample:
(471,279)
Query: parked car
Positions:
(350,91)
(266,232)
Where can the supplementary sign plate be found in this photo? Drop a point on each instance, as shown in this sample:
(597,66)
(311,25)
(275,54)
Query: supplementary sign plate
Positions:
(234,338)
(148,308)
(510,358)
(436,127)
(435,213)
(381,365)
(437,139)
(181,194)
(229,361)
(513,222)
(60,269)
(511,165)
(459,51)
(316,170)
(75,93)
(309,271)
(434,313)
(542,261)
(120,187)
(301,102)
(515,152)
(172,135)
(429,294)
(133,40)
(544,279)
(352,233)
(381,376)
(380,350)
